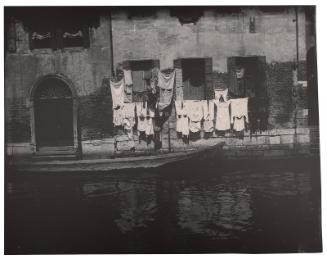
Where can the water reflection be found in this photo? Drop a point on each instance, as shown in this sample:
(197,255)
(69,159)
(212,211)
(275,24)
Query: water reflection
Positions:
(146,211)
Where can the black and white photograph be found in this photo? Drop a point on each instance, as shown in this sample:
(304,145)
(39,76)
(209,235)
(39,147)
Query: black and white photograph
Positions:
(161,130)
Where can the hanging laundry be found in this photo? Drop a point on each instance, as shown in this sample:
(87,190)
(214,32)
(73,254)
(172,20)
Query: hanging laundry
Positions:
(128,98)
(117,117)
(195,114)
(222,115)
(182,124)
(166,86)
(128,111)
(221,93)
(128,77)
(149,130)
(239,113)
(138,82)
(117,93)
(208,115)
(141,109)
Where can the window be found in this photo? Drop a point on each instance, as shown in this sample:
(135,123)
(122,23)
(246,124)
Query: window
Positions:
(141,76)
(60,28)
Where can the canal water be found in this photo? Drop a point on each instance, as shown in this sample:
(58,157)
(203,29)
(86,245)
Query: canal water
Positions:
(207,207)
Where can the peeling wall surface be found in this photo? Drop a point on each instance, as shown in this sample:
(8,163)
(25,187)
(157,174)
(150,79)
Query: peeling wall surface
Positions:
(161,36)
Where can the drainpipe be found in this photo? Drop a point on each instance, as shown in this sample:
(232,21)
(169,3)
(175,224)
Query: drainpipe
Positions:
(111,46)
(295,75)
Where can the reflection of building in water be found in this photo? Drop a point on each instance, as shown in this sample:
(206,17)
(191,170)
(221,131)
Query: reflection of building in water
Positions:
(133,202)
(137,206)
(213,212)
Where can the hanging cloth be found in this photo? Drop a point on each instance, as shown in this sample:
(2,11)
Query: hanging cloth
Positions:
(117,117)
(149,130)
(182,123)
(221,93)
(208,115)
(166,86)
(128,77)
(195,114)
(117,93)
(141,109)
(128,111)
(239,113)
(222,115)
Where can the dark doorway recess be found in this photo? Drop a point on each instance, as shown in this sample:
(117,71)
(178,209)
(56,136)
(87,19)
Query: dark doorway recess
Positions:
(53,114)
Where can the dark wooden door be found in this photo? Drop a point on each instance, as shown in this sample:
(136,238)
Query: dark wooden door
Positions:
(53,113)
(54,122)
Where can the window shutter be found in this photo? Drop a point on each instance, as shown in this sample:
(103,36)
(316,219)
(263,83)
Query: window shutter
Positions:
(178,79)
(86,37)
(30,33)
(11,35)
(209,91)
(231,67)
(58,37)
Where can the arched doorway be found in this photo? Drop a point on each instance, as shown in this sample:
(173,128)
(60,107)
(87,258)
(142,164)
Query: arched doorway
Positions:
(54,118)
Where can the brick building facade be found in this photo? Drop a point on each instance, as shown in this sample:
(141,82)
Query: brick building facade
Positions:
(72,53)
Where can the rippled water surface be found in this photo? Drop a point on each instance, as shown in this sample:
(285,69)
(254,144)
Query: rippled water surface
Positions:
(268,206)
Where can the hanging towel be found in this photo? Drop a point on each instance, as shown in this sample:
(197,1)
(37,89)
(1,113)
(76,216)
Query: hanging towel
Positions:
(239,113)
(166,86)
(128,77)
(117,93)
(182,124)
(129,115)
(222,115)
(208,115)
(138,82)
(221,93)
(141,116)
(195,114)
(128,98)
(117,117)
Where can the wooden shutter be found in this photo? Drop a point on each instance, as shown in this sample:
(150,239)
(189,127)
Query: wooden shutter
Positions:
(232,81)
(179,79)
(209,91)
(86,36)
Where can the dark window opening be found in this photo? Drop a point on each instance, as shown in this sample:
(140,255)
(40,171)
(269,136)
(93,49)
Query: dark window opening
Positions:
(141,77)
(58,27)
(193,71)
(247,79)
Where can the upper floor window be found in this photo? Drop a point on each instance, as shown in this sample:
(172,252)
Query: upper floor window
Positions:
(58,37)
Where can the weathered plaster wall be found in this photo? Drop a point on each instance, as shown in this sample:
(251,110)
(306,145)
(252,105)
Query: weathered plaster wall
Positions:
(215,35)
(85,68)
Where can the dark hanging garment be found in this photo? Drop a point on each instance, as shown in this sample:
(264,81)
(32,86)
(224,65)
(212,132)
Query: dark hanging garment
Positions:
(209,89)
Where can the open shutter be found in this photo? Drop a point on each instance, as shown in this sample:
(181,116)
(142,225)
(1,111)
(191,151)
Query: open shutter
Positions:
(178,79)
(232,81)
(209,91)
(86,37)
(261,93)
